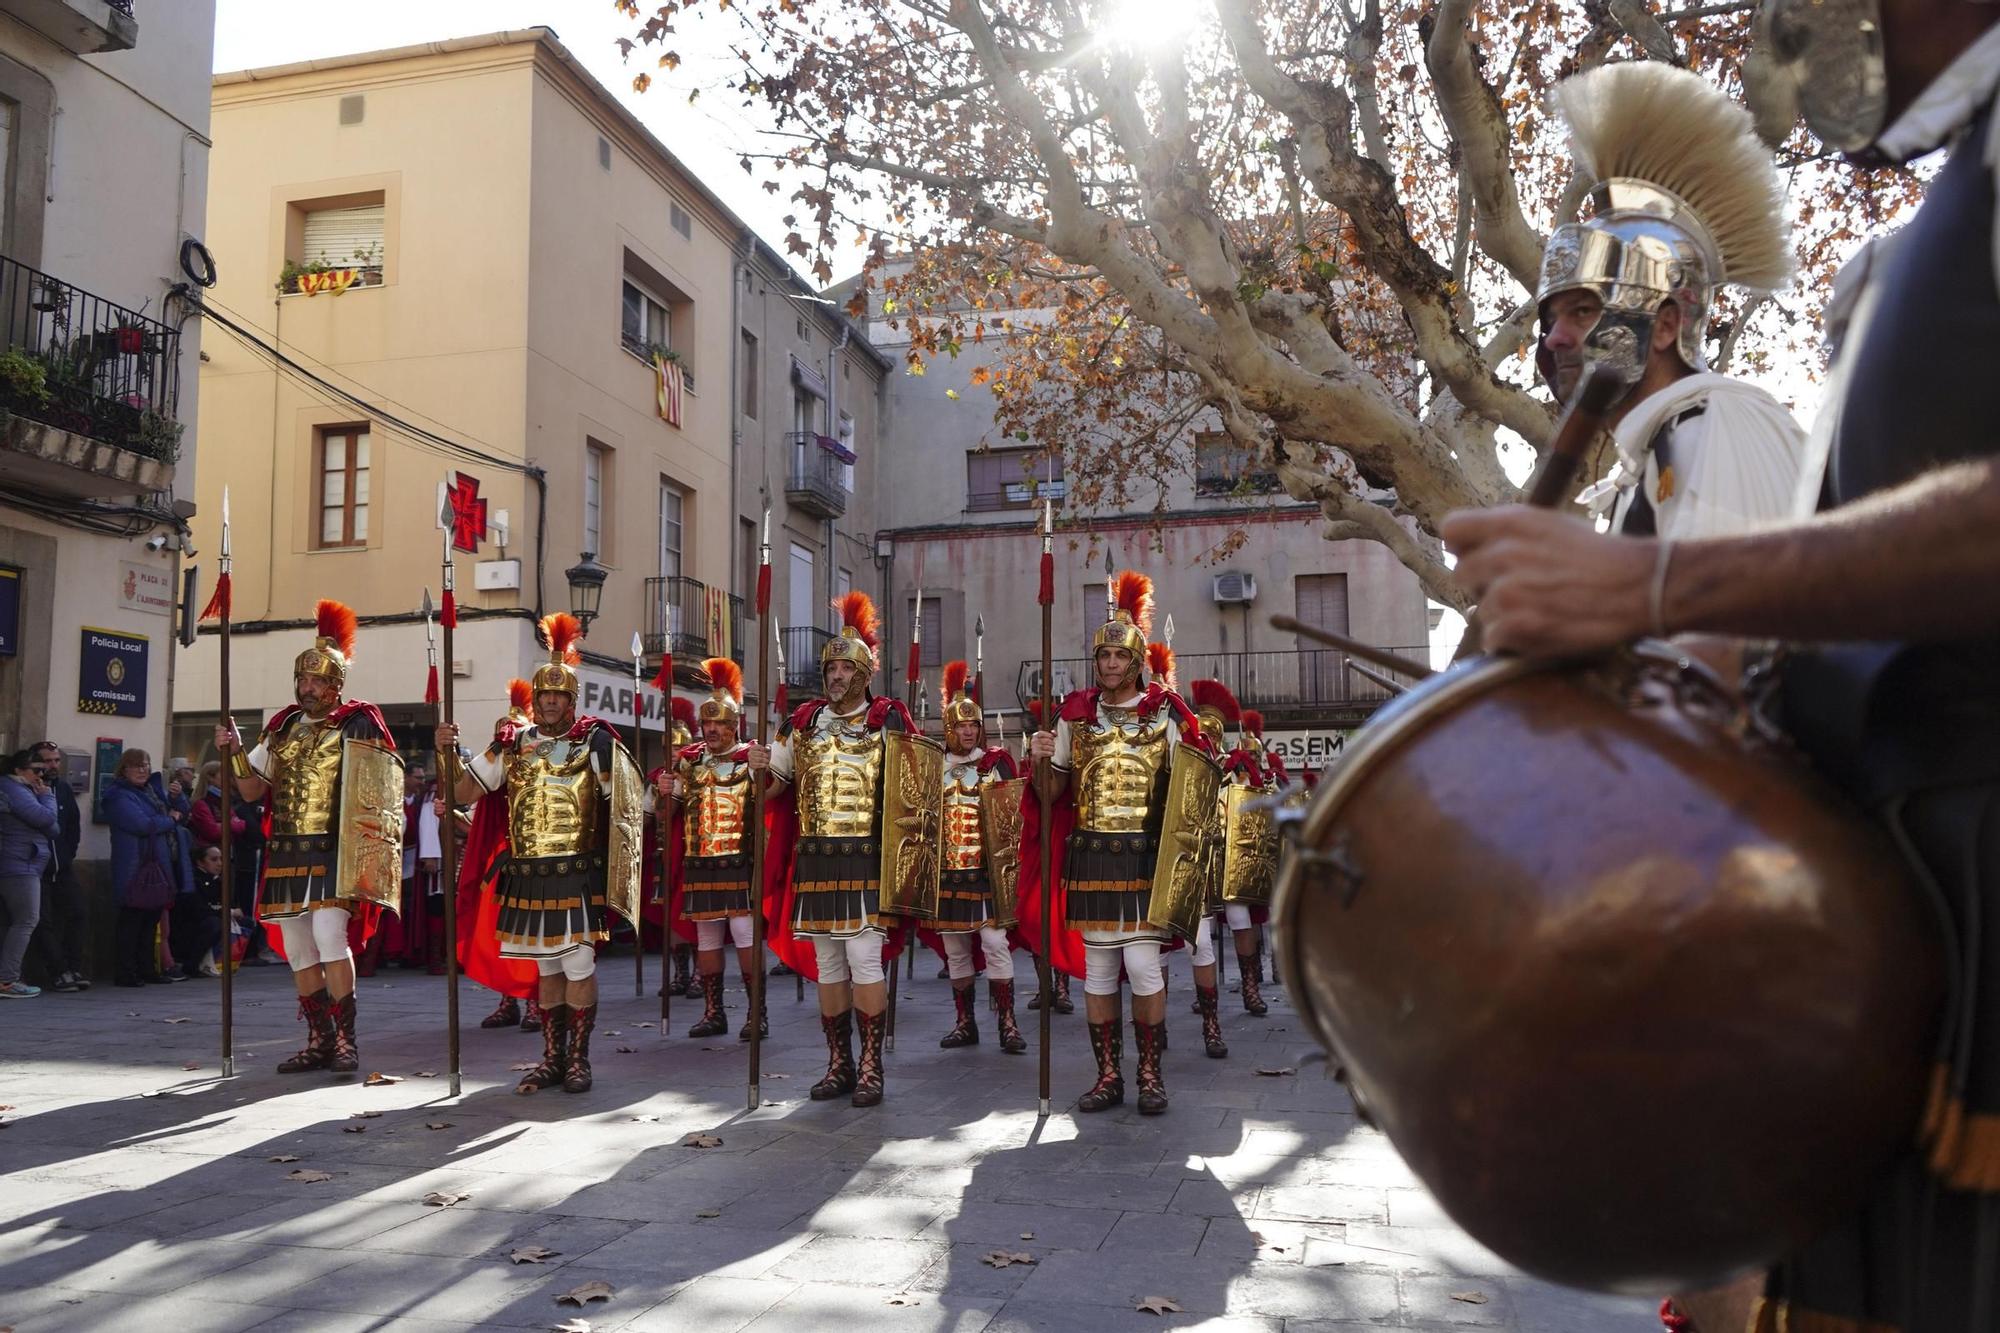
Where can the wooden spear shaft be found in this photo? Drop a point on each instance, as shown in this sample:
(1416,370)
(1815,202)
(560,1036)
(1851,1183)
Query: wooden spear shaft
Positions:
(448,831)
(638,758)
(1044,781)
(228,813)
(758,834)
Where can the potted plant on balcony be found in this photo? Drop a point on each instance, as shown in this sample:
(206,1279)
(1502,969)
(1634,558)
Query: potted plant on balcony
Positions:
(24,380)
(158,436)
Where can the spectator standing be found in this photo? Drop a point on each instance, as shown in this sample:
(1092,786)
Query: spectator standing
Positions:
(57,947)
(197,916)
(148,863)
(29,823)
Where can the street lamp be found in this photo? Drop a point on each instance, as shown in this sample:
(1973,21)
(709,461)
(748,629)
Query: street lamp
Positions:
(586,588)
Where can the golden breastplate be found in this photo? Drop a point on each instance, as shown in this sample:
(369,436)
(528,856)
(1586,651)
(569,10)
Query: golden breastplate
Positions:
(308,760)
(1118,758)
(839,771)
(964,843)
(552,798)
(718,799)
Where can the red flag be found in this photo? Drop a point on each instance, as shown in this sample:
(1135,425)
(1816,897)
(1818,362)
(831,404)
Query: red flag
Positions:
(916,655)
(1047,595)
(431,695)
(218,605)
(781,705)
(663,680)
(763,588)
(449,616)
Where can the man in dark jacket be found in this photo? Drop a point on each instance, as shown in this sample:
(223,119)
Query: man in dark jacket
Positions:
(56,951)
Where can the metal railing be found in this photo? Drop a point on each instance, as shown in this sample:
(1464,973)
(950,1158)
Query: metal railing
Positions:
(689,619)
(814,474)
(1270,681)
(802,644)
(83,364)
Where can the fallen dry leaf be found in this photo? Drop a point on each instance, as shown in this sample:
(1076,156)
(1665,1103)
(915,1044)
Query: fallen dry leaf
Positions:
(364,1115)
(440,1199)
(305,1177)
(642,1025)
(777,1076)
(1470,1297)
(598,1290)
(627,1050)
(532,1254)
(1279,1072)
(190,1065)
(1159,1305)
(1002,1258)
(1027,1235)
(6,1106)
(378,1080)
(173,1020)
(354,1129)
(284,1157)
(718,1048)
(437,1124)
(572,1326)
(423,1073)
(701,1141)
(902,1298)
(646,1119)
(709,1212)
(614,1032)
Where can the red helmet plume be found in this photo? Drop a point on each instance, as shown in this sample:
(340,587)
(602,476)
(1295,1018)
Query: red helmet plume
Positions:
(1215,696)
(956,674)
(1160,661)
(336,621)
(857,611)
(1132,593)
(724,675)
(682,711)
(1253,723)
(520,694)
(562,632)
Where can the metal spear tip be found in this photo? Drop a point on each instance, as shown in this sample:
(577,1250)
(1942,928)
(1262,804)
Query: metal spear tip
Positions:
(979,627)
(638,645)
(1167,631)
(428,608)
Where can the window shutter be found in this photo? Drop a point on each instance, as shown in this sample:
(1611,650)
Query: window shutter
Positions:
(333,235)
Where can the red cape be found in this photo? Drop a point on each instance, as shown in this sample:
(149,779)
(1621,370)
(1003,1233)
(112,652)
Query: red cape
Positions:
(1065,951)
(371,913)
(479,885)
(995,757)
(781,825)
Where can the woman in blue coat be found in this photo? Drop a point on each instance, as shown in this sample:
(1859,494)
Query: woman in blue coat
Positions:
(27,831)
(149,865)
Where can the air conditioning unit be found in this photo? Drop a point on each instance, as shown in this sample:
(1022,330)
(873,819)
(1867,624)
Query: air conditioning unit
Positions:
(1236,587)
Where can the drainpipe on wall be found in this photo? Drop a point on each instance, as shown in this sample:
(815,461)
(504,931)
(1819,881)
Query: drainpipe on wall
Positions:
(833,429)
(738,579)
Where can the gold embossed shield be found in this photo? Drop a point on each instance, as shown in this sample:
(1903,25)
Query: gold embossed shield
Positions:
(912,811)
(1192,824)
(369,863)
(1000,829)
(1249,846)
(627,843)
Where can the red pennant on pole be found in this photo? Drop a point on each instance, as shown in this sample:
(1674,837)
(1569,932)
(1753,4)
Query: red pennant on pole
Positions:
(431,687)
(916,655)
(1047,595)
(763,588)
(781,700)
(663,679)
(449,616)
(218,605)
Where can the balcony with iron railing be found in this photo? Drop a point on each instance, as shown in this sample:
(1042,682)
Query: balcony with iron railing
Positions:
(691,620)
(88,390)
(1312,686)
(81,27)
(802,644)
(816,475)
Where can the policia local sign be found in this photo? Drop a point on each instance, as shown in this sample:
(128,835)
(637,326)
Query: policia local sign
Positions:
(111,673)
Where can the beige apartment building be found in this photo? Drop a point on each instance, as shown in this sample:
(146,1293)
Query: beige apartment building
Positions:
(104,144)
(476,266)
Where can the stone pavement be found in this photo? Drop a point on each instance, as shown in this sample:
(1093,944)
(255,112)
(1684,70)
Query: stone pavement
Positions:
(138,1192)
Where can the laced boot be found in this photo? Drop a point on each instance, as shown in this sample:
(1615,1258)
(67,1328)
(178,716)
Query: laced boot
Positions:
(756,1018)
(683,972)
(1210,1006)
(966,1031)
(346,1055)
(1253,1000)
(317,1011)
(532,1016)
(1108,1045)
(1011,1040)
(714,1021)
(581,1020)
(505,1014)
(868,1083)
(555,1052)
(1152,1041)
(1063,1005)
(839,1080)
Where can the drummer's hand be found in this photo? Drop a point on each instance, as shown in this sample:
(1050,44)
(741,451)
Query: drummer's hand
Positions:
(1546,584)
(758,757)
(1042,745)
(446,737)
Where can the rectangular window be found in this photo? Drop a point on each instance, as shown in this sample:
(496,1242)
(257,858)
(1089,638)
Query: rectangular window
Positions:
(678,216)
(847,440)
(1012,479)
(343,486)
(800,598)
(751,384)
(644,322)
(351,236)
(805,412)
(672,499)
(933,644)
(593,498)
(1224,467)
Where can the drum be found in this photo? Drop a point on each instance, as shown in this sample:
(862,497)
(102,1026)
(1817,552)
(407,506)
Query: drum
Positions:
(1640,1000)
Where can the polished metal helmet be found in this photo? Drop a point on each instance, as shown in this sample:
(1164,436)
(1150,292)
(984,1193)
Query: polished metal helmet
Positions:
(1684,199)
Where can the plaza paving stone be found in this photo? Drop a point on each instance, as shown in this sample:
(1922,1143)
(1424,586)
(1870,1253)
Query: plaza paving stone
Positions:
(137,1190)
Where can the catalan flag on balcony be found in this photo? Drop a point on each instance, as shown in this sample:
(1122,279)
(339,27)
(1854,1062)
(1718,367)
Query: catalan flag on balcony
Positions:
(668,386)
(715,619)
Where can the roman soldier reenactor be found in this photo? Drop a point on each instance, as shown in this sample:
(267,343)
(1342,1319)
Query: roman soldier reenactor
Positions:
(1059,979)
(824,859)
(575,819)
(704,800)
(319,762)
(1110,758)
(478,914)
(1247,898)
(966,904)
(1216,708)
